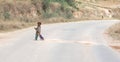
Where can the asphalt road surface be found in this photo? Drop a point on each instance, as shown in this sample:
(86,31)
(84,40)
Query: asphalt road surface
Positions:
(64,42)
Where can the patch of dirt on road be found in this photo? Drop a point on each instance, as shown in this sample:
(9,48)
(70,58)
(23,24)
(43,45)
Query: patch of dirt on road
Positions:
(86,43)
(4,36)
(116,48)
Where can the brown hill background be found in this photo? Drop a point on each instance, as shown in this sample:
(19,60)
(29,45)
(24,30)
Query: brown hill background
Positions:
(16,14)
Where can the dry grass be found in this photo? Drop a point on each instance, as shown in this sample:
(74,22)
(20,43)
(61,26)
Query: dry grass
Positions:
(108,3)
(12,1)
(113,33)
(6,26)
(25,14)
(11,25)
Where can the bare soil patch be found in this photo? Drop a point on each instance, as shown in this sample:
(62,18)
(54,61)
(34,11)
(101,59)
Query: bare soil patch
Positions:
(116,48)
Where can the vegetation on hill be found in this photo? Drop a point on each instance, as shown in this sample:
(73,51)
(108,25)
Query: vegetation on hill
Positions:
(114,31)
(28,12)
(37,8)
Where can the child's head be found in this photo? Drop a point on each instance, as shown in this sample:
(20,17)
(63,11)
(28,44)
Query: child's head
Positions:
(38,23)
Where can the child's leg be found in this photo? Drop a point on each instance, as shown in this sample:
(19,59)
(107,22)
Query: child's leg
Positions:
(41,37)
(36,36)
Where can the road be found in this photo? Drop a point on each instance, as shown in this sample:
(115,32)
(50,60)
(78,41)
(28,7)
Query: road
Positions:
(64,42)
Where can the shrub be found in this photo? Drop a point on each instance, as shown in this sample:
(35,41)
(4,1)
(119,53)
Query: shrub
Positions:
(64,10)
(6,15)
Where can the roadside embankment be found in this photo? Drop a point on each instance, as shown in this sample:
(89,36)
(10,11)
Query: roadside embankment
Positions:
(113,36)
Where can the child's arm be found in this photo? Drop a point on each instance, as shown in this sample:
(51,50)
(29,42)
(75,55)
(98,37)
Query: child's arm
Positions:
(35,28)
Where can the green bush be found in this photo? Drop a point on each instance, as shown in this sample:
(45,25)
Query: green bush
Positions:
(6,15)
(63,11)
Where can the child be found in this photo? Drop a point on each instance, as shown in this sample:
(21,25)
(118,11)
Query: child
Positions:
(38,31)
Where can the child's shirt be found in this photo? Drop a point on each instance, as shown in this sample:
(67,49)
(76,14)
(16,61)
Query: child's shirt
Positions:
(38,29)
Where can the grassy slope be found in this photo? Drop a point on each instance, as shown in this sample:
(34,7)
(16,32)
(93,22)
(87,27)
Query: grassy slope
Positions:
(11,19)
(113,33)
(18,23)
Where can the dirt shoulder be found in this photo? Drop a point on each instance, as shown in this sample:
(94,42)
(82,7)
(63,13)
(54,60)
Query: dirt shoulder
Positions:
(112,35)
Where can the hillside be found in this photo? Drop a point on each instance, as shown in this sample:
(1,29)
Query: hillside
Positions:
(82,9)
(27,12)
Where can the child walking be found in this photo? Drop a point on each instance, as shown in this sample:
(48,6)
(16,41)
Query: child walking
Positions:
(38,31)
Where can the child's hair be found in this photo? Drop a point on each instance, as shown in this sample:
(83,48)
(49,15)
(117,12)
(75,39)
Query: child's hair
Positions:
(39,23)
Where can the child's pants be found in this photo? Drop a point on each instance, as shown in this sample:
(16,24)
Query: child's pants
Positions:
(36,36)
